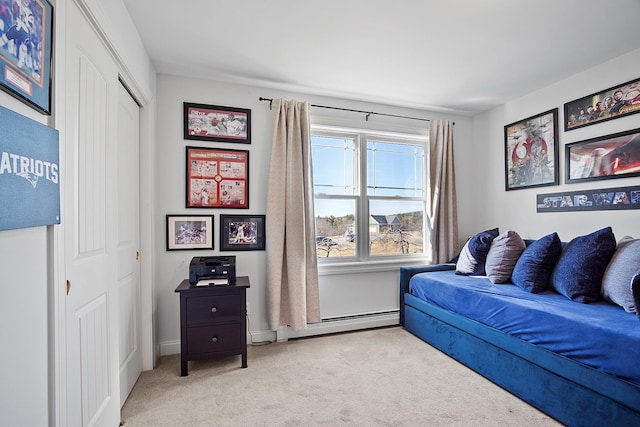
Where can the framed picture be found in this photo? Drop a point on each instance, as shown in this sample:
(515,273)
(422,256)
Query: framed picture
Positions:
(531,151)
(217,178)
(608,104)
(242,232)
(602,199)
(25,52)
(217,123)
(611,156)
(189,232)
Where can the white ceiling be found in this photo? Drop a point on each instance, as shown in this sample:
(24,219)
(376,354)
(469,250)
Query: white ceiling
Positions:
(464,56)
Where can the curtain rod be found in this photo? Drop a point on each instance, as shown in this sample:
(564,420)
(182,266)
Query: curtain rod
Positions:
(368,113)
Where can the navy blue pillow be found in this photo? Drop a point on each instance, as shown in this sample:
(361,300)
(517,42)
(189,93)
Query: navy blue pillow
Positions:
(474,253)
(536,263)
(580,268)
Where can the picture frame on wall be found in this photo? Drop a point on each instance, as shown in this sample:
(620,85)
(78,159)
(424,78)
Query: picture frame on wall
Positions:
(217,178)
(242,232)
(205,122)
(608,104)
(604,157)
(189,232)
(531,151)
(25,53)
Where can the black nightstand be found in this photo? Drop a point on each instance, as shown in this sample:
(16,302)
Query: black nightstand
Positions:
(213,321)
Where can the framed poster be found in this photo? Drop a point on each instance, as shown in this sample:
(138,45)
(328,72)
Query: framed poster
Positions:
(611,156)
(25,51)
(29,172)
(531,151)
(242,232)
(217,178)
(612,103)
(189,232)
(217,123)
(608,199)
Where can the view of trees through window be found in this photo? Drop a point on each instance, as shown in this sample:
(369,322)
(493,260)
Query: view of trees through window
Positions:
(369,195)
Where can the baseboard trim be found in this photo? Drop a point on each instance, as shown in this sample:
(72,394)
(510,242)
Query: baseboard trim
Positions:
(346,324)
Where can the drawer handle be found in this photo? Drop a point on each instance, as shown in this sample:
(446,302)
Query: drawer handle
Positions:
(214,309)
(214,339)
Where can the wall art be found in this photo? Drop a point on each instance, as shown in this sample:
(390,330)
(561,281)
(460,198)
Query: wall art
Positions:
(531,151)
(29,172)
(217,178)
(611,199)
(25,52)
(217,123)
(242,232)
(189,232)
(604,157)
(612,103)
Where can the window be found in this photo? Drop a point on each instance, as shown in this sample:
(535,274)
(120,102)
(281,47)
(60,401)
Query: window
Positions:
(369,193)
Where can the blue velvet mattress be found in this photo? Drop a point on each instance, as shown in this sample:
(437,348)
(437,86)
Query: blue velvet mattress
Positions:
(600,335)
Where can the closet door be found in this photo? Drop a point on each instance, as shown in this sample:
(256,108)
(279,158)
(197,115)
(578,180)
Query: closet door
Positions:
(91,228)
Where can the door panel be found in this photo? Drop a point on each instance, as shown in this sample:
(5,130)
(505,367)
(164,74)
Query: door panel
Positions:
(128,243)
(91,305)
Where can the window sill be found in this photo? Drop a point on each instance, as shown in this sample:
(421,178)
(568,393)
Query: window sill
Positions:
(355,267)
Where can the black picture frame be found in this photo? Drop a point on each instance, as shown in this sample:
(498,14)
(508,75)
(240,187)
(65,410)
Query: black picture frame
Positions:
(605,157)
(576,114)
(25,73)
(607,199)
(204,122)
(217,178)
(242,232)
(190,232)
(531,152)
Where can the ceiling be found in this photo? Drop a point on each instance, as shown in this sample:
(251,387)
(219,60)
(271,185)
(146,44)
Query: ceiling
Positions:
(463,56)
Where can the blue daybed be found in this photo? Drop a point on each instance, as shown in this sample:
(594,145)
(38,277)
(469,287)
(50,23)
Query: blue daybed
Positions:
(578,363)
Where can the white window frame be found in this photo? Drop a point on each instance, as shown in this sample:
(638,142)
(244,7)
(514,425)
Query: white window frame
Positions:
(362,261)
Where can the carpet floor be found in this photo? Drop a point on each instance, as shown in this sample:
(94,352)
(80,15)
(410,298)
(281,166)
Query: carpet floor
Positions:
(378,377)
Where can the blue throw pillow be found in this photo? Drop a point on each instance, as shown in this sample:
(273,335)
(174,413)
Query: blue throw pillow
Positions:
(580,268)
(474,253)
(534,267)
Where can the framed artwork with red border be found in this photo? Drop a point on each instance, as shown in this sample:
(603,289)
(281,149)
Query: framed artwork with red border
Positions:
(217,178)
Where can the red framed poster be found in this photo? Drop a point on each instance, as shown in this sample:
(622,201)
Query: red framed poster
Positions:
(217,178)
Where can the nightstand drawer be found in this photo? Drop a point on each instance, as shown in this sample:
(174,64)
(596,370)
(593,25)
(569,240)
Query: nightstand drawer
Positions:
(214,338)
(214,308)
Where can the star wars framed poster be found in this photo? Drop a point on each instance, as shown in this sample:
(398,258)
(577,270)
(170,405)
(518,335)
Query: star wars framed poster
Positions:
(25,51)
(29,172)
(217,178)
(217,123)
(531,151)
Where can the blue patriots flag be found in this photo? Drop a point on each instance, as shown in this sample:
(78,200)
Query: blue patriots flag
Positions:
(29,172)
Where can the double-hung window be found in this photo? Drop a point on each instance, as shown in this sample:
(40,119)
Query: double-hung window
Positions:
(370,193)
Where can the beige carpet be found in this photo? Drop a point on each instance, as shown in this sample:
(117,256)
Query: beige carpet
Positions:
(380,377)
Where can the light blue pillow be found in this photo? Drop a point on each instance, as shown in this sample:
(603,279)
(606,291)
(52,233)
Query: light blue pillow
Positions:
(616,282)
(536,263)
(474,253)
(580,268)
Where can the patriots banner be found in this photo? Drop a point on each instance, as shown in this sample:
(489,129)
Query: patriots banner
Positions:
(29,172)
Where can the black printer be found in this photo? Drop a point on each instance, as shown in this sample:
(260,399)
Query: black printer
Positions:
(220,270)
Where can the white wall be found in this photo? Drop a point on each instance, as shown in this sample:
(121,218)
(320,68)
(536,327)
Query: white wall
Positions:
(484,203)
(363,292)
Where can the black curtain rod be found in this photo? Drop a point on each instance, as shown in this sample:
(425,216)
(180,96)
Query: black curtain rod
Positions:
(368,113)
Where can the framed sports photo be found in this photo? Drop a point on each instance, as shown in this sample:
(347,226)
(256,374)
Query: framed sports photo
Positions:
(204,122)
(25,52)
(531,151)
(242,232)
(217,178)
(189,232)
(605,157)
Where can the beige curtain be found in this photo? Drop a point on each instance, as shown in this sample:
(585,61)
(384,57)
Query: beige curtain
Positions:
(292,269)
(444,210)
